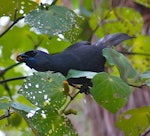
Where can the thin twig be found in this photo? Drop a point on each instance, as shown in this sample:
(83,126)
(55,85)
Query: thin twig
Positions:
(135,53)
(6,116)
(7,88)
(12,66)
(12,79)
(102,22)
(90,37)
(136,86)
(11,26)
(14,21)
(71,99)
(8,68)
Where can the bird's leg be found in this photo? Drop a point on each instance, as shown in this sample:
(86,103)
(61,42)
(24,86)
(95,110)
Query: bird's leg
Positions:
(84,88)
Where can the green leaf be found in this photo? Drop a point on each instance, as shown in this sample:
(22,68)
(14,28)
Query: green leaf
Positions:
(55,45)
(116,20)
(125,68)
(45,90)
(22,7)
(49,123)
(4,105)
(144,3)
(146,76)
(53,21)
(21,39)
(78,73)
(135,121)
(109,91)
(16,105)
(22,107)
(141,45)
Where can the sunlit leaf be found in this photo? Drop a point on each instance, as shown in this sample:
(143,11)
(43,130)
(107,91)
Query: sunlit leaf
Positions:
(109,91)
(55,45)
(145,3)
(22,39)
(135,121)
(116,20)
(21,7)
(141,46)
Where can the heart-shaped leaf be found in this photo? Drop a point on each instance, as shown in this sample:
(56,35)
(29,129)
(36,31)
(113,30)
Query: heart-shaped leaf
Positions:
(54,20)
(109,91)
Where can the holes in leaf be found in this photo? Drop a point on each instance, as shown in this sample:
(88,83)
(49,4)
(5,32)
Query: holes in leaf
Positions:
(127,116)
(116,95)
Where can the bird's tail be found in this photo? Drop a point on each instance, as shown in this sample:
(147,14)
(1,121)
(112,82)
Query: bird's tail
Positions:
(112,40)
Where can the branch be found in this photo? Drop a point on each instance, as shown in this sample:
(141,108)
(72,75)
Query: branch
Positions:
(136,86)
(6,116)
(90,37)
(12,79)
(146,133)
(2,72)
(134,53)
(11,26)
(12,66)
(7,88)
(71,99)
(36,43)
(99,24)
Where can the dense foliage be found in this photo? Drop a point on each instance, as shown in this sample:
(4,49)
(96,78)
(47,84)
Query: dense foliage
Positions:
(39,104)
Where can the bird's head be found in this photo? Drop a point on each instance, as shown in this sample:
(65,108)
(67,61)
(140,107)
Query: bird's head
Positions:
(34,59)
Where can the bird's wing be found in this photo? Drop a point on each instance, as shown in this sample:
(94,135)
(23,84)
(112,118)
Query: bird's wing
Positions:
(77,45)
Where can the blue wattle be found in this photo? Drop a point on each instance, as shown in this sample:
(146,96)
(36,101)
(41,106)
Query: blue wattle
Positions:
(31,62)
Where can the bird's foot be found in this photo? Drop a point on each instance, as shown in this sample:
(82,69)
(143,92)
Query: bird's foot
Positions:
(85,89)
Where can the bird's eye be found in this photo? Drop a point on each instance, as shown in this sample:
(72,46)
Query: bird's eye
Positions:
(31,53)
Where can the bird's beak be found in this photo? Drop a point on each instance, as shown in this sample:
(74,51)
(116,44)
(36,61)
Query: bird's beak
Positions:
(22,58)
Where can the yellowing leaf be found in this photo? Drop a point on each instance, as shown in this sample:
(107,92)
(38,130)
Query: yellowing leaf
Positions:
(135,121)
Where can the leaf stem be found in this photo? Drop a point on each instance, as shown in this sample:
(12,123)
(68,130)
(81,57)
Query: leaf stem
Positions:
(136,86)
(71,99)
(6,116)
(134,53)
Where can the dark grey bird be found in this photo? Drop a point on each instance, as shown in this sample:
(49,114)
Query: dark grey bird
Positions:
(82,56)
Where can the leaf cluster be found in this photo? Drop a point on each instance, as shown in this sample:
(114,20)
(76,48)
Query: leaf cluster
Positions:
(41,101)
